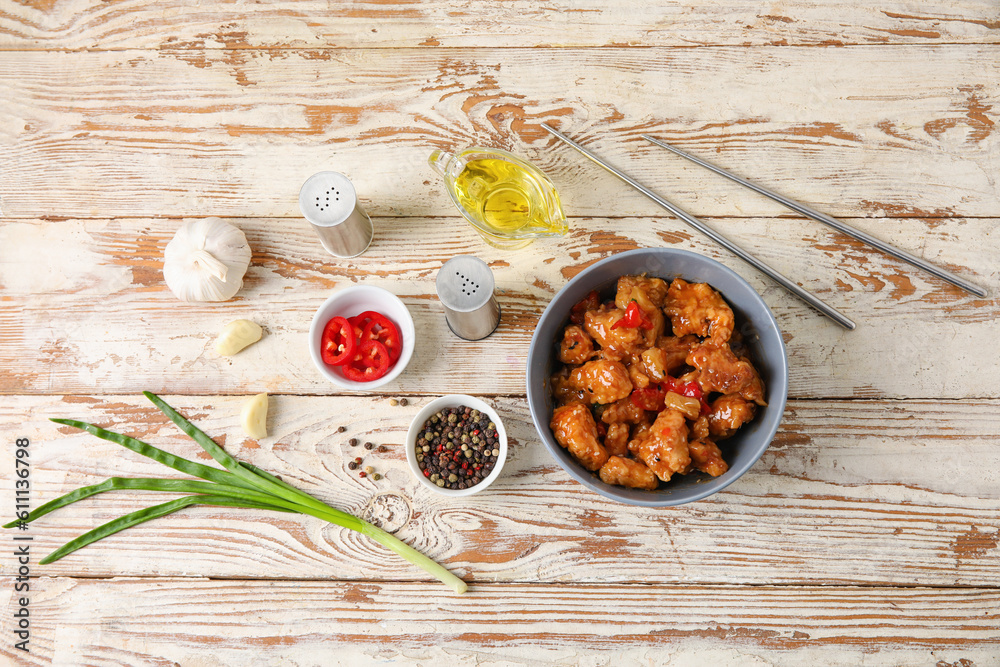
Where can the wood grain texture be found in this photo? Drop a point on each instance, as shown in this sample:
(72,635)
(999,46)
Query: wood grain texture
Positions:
(850,492)
(167,621)
(866,131)
(87,24)
(85,304)
(867,534)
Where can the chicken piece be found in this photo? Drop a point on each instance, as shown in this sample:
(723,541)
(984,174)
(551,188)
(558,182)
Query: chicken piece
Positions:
(639,433)
(628,472)
(755,390)
(654,363)
(700,429)
(648,294)
(563,391)
(601,381)
(623,411)
(650,336)
(668,356)
(574,428)
(616,441)
(576,347)
(706,457)
(665,450)
(651,291)
(637,374)
(696,308)
(688,378)
(728,414)
(720,370)
(616,344)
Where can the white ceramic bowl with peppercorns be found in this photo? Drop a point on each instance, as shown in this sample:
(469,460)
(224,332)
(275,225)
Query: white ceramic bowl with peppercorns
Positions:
(475,434)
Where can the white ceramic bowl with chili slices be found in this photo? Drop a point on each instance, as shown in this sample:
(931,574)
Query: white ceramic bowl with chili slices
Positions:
(353,301)
(432,408)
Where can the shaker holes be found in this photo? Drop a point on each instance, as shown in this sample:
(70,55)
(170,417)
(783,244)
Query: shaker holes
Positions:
(322,206)
(465,283)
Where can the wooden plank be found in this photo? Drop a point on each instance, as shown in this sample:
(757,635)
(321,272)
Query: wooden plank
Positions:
(173,621)
(866,131)
(85,305)
(87,24)
(850,492)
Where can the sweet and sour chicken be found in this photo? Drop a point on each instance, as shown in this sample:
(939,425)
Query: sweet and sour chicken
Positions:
(650,382)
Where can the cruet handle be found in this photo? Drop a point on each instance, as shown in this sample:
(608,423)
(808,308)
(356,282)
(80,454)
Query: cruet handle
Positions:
(438,161)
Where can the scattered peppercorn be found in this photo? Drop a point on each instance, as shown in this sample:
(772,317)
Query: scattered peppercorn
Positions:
(341,429)
(353,465)
(369,469)
(382,449)
(457,448)
(358,460)
(403,401)
(353,442)
(369,445)
(393,401)
(362,474)
(376,477)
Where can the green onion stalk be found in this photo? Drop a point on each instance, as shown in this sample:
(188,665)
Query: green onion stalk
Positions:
(238,485)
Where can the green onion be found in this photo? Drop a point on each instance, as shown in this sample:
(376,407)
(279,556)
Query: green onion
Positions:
(145,484)
(239,485)
(135,518)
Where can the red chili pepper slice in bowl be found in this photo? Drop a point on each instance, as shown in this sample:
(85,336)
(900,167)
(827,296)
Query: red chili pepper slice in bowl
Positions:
(367,316)
(590,302)
(338,343)
(649,398)
(689,389)
(382,329)
(369,363)
(358,324)
(634,318)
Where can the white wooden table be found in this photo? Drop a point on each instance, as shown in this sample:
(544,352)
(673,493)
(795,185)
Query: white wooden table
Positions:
(869,533)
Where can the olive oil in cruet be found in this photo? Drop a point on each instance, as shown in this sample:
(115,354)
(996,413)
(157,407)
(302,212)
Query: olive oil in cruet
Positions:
(506,199)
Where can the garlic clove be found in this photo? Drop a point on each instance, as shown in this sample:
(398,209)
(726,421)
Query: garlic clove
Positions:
(237,335)
(253,416)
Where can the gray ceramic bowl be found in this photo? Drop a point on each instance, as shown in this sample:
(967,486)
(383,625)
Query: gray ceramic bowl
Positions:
(753,319)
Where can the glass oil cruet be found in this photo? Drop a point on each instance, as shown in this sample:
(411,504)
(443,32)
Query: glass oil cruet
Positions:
(508,201)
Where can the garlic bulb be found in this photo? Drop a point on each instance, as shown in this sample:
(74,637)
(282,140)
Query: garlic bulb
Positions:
(206,261)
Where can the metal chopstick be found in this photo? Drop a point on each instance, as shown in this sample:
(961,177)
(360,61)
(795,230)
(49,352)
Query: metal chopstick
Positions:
(830,222)
(813,301)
